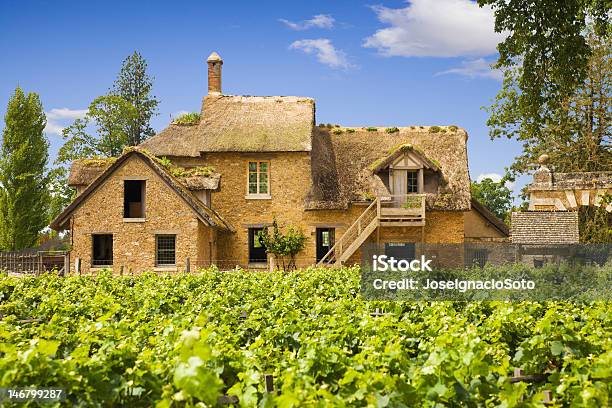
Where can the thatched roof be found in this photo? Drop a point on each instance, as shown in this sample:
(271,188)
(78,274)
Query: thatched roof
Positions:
(241,124)
(206,214)
(343,170)
(84,171)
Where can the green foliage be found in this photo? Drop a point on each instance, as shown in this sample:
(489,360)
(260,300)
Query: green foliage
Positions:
(350,130)
(558,101)
(337,131)
(596,223)
(283,245)
(178,171)
(547,50)
(372,129)
(179,340)
(368,196)
(190,118)
(495,196)
(134,85)
(24,193)
(453,128)
(392,130)
(434,129)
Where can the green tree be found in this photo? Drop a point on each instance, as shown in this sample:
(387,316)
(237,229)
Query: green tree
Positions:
(495,196)
(545,57)
(283,245)
(575,134)
(24,194)
(121,118)
(134,85)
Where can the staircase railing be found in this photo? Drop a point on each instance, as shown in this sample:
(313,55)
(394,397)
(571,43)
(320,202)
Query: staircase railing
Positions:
(352,233)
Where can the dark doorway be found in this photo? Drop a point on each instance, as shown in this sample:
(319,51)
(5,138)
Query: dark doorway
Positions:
(257,252)
(325,241)
(400,250)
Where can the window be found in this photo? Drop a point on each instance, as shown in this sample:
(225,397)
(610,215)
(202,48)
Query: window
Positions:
(102,250)
(258,179)
(133,198)
(413,183)
(401,250)
(479,257)
(165,253)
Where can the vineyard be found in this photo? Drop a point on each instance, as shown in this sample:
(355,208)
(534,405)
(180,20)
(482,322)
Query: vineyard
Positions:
(304,338)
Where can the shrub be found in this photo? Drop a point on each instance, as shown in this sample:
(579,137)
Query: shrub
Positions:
(434,129)
(453,128)
(372,129)
(337,131)
(190,118)
(282,245)
(392,130)
(350,130)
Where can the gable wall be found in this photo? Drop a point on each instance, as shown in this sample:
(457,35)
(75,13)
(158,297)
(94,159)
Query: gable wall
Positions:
(478,228)
(134,242)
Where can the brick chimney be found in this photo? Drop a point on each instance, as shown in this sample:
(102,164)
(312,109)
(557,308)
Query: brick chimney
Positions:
(214,74)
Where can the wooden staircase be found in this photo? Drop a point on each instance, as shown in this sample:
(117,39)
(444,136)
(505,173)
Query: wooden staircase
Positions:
(394,211)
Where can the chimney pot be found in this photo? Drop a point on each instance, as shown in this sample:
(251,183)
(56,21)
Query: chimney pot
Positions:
(214,73)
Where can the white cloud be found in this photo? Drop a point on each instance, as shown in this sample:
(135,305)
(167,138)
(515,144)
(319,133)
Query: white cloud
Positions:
(57,117)
(325,51)
(318,21)
(441,28)
(476,68)
(496,177)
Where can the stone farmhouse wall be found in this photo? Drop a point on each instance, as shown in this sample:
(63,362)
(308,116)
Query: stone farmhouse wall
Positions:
(134,242)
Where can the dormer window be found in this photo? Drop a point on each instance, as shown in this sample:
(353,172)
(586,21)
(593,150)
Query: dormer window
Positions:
(258,179)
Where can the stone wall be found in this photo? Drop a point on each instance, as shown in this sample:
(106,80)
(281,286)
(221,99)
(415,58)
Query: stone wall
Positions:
(479,229)
(134,242)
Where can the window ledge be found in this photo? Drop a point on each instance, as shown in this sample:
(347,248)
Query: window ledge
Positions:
(101,268)
(168,268)
(258,197)
(134,219)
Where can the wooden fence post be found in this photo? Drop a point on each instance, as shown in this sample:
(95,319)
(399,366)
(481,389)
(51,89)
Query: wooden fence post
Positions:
(187,265)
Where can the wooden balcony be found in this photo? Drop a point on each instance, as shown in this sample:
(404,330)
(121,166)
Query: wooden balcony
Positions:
(406,210)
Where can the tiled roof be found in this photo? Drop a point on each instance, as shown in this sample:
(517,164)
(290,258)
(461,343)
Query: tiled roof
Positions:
(545,227)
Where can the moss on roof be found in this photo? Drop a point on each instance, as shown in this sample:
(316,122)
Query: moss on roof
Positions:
(187,119)
(84,171)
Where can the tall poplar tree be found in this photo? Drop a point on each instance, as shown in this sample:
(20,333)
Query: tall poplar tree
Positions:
(24,196)
(134,85)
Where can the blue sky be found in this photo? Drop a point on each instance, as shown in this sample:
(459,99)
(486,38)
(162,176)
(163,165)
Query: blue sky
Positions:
(387,63)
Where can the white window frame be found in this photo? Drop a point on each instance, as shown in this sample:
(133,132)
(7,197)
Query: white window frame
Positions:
(259,195)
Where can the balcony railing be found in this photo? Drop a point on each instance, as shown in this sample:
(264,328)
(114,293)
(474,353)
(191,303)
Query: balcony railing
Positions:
(408,209)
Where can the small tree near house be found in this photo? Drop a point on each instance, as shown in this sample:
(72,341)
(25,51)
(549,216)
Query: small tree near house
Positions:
(283,246)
